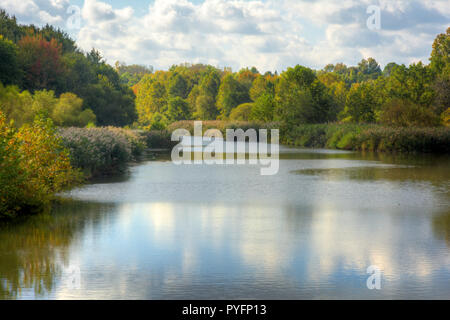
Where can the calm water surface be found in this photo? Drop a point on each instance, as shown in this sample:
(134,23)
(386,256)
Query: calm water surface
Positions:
(225,232)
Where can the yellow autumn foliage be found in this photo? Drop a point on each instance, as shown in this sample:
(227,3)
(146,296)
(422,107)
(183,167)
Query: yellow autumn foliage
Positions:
(33,166)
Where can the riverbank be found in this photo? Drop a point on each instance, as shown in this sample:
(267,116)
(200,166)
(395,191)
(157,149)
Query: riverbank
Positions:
(108,151)
(369,137)
(38,161)
(355,137)
(222,126)
(33,167)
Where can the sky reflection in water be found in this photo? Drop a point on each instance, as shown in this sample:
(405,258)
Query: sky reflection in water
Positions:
(211,232)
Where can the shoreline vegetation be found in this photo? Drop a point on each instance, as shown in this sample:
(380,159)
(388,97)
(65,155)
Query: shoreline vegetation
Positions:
(369,137)
(39,160)
(67,115)
(342,136)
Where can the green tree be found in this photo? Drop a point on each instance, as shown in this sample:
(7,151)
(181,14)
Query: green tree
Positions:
(348,74)
(9,27)
(440,56)
(79,72)
(246,77)
(95,57)
(301,97)
(10,72)
(242,112)
(361,104)
(112,102)
(441,89)
(294,108)
(405,113)
(413,83)
(130,75)
(192,98)
(68,112)
(178,87)
(44,103)
(34,166)
(205,104)
(440,66)
(205,108)
(263,108)
(368,70)
(231,94)
(11,179)
(260,86)
(111,105)
(158,122)
(336,89)
(151,98)
(178,109)
(210,83)
(388,69)
(16,105)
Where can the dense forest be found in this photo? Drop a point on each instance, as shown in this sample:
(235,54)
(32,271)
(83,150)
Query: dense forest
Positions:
(416,95)
(43,71)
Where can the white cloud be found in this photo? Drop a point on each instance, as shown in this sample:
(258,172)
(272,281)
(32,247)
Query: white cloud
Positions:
(270,34)
(38,12)
(95,12)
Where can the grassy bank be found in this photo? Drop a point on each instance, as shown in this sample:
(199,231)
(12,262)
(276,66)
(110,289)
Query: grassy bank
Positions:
(369,137)
(109,150)
(38,160)
(222,126)
(158,139)
(364,137)
(101,151)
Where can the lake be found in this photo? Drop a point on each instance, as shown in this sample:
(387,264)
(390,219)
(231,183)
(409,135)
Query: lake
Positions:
(225,232)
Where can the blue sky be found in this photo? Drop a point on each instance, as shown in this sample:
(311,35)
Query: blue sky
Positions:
(268,34)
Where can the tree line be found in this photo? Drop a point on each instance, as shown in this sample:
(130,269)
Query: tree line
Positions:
(42,71)
(398,95)
(37,62)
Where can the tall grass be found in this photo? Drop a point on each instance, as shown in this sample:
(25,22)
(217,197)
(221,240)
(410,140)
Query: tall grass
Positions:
(101,151)
(158,139)
(104,151)
(222,126)
(369,137)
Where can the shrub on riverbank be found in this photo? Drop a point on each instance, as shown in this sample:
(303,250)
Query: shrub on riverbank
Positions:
(34,166)
(364,137)
(136,140)
(101,151)
(369,137)
(222,126)
(158,139)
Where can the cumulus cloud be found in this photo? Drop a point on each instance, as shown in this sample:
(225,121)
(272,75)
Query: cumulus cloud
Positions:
(38,12)
(268,34)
